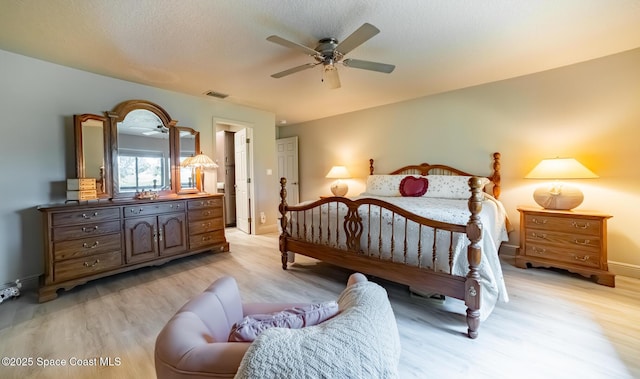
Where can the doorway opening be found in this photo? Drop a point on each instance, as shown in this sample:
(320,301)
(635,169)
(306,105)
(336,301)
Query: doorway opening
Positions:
(234,154)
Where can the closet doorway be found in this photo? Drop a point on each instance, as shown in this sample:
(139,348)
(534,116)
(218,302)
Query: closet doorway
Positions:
(235,162)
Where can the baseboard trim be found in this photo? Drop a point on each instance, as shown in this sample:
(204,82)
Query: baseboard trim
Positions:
(28,282)
(624,269)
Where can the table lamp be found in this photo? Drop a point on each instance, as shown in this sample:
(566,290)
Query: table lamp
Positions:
(200,162)
(559,195)
(339,187)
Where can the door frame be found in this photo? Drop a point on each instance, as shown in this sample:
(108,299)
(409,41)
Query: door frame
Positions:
(234,126)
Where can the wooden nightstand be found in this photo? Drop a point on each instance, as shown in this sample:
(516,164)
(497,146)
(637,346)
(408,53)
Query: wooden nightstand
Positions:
(575,241)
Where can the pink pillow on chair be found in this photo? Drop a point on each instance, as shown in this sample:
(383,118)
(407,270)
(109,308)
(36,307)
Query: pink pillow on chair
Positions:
(251,326)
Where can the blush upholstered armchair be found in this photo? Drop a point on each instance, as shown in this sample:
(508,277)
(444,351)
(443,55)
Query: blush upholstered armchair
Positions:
(194,343)
(359,340)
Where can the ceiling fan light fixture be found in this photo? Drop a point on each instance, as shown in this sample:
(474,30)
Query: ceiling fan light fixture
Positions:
(330,76)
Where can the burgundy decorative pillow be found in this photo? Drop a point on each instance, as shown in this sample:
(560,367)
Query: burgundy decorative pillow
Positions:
(413,187)
(251,326)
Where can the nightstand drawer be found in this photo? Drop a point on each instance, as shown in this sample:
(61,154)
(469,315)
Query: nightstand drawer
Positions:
(563,224)
(564,240)
(553,253)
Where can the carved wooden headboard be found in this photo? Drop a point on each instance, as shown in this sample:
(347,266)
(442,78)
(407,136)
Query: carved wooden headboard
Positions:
(440,169)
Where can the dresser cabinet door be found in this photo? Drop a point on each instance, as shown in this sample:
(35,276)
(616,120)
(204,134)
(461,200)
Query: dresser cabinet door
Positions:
(141,239)
(172,237)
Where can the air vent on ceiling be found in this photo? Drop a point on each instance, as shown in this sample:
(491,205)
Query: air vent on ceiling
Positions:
(219,95)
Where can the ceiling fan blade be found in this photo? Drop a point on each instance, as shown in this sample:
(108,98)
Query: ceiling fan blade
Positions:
(368,65)
(330,76)
(357,38)
(292,45)
(293,70)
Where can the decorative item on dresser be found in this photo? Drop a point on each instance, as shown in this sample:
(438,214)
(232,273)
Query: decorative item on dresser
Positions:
(90,241)
(144,213)
(575,241)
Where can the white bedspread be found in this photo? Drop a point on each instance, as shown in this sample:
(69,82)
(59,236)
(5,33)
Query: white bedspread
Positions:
(376,240)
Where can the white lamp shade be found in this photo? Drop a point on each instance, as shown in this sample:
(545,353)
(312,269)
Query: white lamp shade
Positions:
(338,172)
(560,168)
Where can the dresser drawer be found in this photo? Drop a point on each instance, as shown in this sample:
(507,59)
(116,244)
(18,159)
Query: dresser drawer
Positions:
(91,215)
(204,214)
(207,225)
(87,246)
(564,240)
(86,230)
(206,239)
(74,268)
(205,203)
(152,209)
(558,254)
(564,224)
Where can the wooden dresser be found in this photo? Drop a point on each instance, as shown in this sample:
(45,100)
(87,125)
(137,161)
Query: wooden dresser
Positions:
(90,241)
(572,240)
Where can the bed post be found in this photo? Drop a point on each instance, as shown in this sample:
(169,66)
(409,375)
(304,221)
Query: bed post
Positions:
(283,222)
(495,178)
(474,255)
(370,166)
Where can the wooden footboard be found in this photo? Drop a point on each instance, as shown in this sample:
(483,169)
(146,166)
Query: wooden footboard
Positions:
(348,240)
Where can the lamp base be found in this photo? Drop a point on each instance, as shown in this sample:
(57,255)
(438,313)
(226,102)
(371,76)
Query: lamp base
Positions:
(568,197)
(339,188)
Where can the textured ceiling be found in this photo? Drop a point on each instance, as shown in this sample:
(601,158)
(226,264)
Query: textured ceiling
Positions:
(194,46)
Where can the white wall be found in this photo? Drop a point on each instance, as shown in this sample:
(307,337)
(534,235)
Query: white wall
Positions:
(590,111)
(37,103)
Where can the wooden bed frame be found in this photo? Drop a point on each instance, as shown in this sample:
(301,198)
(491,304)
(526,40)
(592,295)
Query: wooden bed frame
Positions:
(422,279)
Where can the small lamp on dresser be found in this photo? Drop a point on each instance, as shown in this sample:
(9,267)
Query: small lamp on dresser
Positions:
(200,162)
(339,187)
(557,194)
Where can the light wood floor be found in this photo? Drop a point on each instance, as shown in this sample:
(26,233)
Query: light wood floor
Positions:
(556,325)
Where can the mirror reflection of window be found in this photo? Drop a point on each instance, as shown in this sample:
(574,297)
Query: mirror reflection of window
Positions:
(143,153)
(142,171)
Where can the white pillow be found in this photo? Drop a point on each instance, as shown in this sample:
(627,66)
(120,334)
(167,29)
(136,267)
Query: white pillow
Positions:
(384,185)
(450,186)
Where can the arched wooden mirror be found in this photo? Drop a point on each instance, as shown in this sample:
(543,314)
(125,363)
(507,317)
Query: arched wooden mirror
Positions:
(143,154)
(136,147)
(188,146)
(92,151)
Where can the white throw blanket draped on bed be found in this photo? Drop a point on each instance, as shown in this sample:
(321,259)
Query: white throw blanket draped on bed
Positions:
(362,341)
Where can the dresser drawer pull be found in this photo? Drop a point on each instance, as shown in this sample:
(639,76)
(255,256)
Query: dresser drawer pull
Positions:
(206,213)
(582,259)
(539,235)
(87,264)
(582,242)
(84,215)
(87,246)
(208,238)
(136,212)
(89,230)
(538,251)
(207,225)
(536,221)
(579,226)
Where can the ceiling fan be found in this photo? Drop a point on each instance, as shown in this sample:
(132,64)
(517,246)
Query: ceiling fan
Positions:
(329,52)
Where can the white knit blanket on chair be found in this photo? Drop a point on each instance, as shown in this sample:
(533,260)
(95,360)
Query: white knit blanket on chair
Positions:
(362,341)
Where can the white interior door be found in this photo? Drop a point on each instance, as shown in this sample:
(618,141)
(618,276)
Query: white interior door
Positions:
(243,195)
(287,153)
